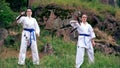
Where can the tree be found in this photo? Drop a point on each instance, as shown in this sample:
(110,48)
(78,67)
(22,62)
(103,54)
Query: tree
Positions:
(17,5)
(118,3)
(6,14)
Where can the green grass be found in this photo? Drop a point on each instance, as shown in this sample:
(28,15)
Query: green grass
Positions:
(63,57)
(64,61)
(90,5)
(118,42)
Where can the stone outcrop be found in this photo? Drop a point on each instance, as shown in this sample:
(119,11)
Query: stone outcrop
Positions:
(110,2)
(3,35)
(55,17)
(105,43)
(47,49)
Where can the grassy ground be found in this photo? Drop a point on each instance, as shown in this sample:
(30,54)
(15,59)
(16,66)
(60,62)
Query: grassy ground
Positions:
(63,57)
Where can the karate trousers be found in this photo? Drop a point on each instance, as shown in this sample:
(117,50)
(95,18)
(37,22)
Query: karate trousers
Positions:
(23,48)
(80,55)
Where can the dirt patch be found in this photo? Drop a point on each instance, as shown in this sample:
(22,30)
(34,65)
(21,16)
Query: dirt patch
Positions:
(10,52)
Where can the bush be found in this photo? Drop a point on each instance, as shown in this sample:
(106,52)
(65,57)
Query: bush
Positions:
(7,16)
(118,3)
(18,5)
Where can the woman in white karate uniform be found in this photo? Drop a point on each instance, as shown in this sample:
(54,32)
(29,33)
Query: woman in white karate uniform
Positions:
(85,40)
(30,30)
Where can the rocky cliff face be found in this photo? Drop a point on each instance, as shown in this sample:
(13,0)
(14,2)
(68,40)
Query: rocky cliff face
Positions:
(107,30)
(56,17)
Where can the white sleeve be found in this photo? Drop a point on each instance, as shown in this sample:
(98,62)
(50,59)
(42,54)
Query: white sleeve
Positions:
(20,20)
(37,29)
(92,34)
(74,24)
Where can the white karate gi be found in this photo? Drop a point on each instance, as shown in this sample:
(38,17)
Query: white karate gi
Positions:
(27,38)
(84,42)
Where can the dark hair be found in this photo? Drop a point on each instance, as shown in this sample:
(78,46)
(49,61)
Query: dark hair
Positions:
(84,14)
(29,8)
(26,11)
